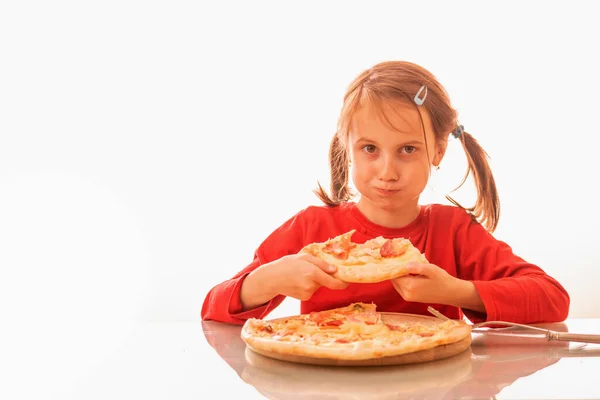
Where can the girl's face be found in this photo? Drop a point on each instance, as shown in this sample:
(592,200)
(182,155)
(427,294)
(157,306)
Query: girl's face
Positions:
(390,160)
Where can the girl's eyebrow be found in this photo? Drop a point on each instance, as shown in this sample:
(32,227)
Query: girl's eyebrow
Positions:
(365,139)
(412,142)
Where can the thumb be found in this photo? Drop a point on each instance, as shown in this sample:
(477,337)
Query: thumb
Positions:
(416,268)
(324,279)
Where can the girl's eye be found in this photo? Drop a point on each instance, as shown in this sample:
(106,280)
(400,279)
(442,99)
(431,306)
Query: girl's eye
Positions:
(369,148)
(409,149)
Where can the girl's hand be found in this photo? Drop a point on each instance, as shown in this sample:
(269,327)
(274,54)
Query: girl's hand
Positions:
(300,275)
(429,283)
(297,276)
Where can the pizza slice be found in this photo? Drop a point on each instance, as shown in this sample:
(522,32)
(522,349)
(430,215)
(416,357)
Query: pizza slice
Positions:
(375,260)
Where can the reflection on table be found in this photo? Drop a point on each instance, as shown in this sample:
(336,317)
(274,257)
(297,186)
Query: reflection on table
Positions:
(492,363)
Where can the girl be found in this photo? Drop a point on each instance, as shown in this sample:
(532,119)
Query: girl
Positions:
(393,128)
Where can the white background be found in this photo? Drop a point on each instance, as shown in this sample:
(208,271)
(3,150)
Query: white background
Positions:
(147,148)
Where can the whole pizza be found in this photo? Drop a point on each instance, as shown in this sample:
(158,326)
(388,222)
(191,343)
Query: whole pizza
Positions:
(353,333)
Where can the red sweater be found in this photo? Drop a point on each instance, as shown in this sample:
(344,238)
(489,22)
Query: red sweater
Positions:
(511,289)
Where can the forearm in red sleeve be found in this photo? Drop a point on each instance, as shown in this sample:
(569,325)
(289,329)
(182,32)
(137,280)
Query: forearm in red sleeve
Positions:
(528,299)
(223,303)
(511,289)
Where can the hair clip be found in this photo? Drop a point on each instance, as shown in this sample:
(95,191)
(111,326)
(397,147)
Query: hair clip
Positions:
(458,131)
(418,100)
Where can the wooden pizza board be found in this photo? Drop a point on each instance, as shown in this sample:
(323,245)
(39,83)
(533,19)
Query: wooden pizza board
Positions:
(435,353)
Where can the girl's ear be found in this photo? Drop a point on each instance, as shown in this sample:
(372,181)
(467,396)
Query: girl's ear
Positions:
(440,150)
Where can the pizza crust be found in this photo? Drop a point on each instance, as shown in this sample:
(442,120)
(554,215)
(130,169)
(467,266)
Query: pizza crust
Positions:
(363,350)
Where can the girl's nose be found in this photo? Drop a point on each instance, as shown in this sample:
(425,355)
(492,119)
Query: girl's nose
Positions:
(388,171)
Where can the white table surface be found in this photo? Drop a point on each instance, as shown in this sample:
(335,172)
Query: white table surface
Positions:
(207,360)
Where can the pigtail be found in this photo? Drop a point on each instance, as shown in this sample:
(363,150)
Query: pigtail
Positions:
(487,207)
(338,164)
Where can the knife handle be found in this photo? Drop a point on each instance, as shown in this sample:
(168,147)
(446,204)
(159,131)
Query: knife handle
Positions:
(574,337)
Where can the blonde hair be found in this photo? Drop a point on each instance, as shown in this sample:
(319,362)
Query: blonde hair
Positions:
(401,80)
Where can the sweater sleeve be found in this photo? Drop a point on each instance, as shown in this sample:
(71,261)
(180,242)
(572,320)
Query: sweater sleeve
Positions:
(223,303)
(511,288)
